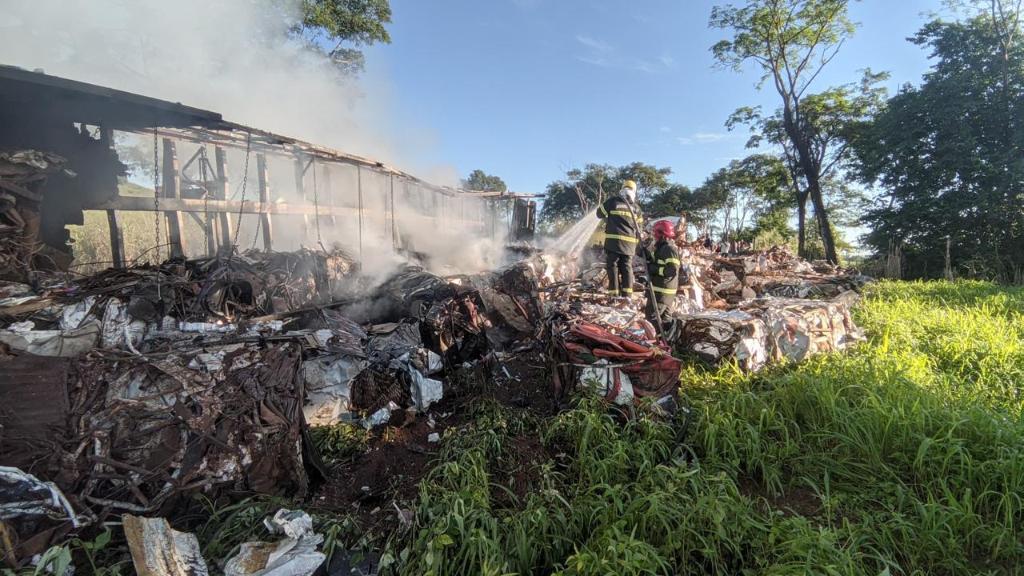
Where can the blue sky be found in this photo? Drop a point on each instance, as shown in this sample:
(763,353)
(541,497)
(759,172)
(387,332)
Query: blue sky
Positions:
(526,89)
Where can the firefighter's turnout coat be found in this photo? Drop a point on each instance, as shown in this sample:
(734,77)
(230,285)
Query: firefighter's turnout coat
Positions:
(622,225)
(663,268)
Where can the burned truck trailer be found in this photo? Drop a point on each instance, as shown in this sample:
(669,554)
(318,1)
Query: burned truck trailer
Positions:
(289,193)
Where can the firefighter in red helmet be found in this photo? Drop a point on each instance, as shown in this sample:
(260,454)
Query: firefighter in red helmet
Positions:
(663,268)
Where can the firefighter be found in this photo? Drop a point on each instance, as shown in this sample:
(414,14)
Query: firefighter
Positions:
(623,223)
(664,269)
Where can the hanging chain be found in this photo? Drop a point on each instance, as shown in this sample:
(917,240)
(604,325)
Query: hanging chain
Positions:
(245,179)
(156,193)
(206,194)
(156,211)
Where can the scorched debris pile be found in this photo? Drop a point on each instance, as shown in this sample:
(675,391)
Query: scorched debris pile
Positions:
(134,388)
(739,308)
(23,175)
(202,376)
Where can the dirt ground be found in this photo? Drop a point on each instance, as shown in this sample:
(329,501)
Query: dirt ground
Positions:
(797,501)
(376,484)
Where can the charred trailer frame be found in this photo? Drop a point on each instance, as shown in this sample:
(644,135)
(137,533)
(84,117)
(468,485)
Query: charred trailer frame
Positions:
(77,121)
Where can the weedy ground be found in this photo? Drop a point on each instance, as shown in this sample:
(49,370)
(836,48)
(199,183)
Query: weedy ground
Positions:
(902,456)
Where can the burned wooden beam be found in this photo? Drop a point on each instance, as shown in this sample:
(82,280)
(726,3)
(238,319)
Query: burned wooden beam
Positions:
(221,194)
(143,204)
(264,181)
(172,191)
(117,257)
(300,188)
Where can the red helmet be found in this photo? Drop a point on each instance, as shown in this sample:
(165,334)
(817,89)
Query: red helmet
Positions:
(664,229)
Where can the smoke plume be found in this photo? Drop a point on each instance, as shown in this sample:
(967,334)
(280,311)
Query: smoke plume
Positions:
(234,57)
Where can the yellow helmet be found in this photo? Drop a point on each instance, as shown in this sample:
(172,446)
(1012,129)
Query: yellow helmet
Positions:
(629,184)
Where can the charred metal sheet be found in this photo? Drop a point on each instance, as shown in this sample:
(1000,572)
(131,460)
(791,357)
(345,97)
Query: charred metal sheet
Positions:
(38,94)
(35,404)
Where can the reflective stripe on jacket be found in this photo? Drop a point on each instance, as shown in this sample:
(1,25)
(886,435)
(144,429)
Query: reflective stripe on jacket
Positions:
(664,269)
(621,229)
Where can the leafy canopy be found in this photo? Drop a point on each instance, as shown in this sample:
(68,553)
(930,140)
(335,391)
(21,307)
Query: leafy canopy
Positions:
(949,155)
(484,182)
(751,191)
(790,40)
(582,190)
(339,27)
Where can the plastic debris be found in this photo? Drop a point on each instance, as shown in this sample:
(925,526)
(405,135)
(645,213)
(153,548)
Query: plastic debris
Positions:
(382,416)
(23,495)
(68,343)
(329,387)
(608,381)
(425,391)
(295,555)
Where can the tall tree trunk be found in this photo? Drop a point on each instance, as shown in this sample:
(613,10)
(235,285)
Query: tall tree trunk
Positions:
(801,225)
(801,205)
(821,214)
(812,173)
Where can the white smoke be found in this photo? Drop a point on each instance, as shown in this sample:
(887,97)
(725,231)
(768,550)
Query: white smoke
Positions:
(229,56)
(234,57)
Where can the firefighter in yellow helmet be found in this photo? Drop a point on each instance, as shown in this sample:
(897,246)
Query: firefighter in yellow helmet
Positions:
(623,223)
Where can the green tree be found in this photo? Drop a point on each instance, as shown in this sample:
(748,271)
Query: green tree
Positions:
(791,41)
(649,179)
(832,118)
(484,182)
(339,28)
(746,195)
(582,190)
(949,155)
(671,201)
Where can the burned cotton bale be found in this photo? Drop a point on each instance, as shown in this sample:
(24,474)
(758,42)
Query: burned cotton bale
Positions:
(144,432)
(768,329)
(798,328)
(261,283)
(449,311)
(716,335)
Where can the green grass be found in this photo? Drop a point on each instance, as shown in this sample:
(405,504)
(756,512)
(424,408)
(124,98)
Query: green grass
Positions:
(90,241)
(339,442)
(904,456)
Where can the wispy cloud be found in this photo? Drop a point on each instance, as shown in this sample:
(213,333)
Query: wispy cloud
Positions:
(602,54)
(664,129)
(702,138)
(596,61)
(705,137)
(594,44)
